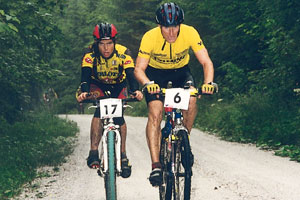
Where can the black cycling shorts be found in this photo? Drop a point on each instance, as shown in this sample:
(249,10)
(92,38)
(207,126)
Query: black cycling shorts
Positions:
(162,76)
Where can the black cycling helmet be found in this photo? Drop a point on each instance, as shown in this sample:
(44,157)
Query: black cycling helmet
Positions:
(104,31)
(169,14)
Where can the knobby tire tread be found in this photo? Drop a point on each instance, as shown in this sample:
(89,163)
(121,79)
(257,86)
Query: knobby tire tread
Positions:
(165,190)
(110,178)
(187,164)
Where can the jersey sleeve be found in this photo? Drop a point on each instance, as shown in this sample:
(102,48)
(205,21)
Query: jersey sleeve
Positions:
(126,57)
(195,41)
(146,46)
(87,61)
(128,62)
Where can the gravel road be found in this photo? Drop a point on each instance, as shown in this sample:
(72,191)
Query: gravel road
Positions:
(222,171)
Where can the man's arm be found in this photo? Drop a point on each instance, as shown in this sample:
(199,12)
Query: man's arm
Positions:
(208,67)
(139,70)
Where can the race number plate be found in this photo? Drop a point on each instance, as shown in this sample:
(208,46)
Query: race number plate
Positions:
(111,107)
(177,98)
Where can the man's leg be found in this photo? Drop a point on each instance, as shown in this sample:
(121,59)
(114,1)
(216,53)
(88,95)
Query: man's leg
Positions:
(153,130)
(123,130)
(126,167)
(153,134)
(96,133)
(190,115)
(188,119)
(95,137)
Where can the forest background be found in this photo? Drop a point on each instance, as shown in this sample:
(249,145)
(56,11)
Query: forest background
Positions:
(254,46)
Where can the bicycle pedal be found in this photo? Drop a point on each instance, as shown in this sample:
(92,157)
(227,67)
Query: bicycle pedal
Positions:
(100,173)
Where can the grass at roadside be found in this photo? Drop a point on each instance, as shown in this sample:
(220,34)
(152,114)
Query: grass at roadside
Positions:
(40,139)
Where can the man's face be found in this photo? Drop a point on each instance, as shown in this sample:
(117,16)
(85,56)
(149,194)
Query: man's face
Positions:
(106,47)
(170,33)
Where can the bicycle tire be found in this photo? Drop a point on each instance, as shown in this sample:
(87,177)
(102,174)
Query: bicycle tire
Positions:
(184,168)
(110,177)
(165,189)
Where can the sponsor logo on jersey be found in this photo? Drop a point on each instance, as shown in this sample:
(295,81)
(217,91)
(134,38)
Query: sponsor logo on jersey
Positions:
(127,62)
(88,60)
(110,74)
(168,61)
(114,62)
(159,55)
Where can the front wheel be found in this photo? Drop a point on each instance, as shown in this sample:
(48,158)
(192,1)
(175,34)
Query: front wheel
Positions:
(165,189)
(183,163)
(110,176)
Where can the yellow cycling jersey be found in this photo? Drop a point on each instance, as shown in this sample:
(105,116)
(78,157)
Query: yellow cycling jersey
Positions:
(111,70)
(164,55)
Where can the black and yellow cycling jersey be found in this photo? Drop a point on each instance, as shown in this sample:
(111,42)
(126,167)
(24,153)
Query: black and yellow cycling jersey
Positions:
(110,70)
(164,55)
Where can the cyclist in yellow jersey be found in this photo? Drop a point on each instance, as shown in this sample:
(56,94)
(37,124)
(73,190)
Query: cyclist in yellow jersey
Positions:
(105,68)
(164,56)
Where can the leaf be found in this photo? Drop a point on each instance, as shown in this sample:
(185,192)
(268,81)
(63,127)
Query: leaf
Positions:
(11,26)
(3,27)
(8,17)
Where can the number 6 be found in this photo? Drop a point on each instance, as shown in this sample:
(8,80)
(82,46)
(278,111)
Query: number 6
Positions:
(177,98)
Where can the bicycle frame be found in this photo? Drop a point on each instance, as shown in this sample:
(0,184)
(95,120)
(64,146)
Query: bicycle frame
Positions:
(171,154)
(110,148)
(175,155)
(110,128)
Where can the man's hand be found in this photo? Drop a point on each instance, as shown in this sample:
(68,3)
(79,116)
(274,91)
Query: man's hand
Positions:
(82,96)
(151,87)
(207,88)
(138,95)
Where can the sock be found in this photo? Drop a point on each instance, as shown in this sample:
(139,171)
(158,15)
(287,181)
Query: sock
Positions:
(156,165)
(123,155)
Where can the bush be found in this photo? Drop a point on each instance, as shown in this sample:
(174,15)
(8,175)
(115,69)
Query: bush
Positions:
(40,139)
(256,118)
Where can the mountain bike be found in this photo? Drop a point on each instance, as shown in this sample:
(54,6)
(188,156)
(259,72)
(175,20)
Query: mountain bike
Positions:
(175,153)
(110,143)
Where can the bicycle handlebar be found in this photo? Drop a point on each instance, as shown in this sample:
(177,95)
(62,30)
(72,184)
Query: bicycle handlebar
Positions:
(98,99)
(193,91)
(95,100)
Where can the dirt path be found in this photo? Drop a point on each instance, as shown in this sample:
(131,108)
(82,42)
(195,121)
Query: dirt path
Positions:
(222,170)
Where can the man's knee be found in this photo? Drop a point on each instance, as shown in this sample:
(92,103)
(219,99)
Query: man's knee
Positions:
(155,112)
(96,125)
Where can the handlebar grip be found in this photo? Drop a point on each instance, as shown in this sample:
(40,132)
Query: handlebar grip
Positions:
(130,100)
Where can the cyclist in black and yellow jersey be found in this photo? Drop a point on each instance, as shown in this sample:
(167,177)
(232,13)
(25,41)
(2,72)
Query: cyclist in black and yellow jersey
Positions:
(105,69)
(164,56)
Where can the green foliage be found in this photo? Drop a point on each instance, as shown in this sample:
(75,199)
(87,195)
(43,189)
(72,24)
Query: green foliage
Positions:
(289,151)
(28,37)
(132,25)
(254,119)
(138,109)
(235,78)
(40,139)
(254,47)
